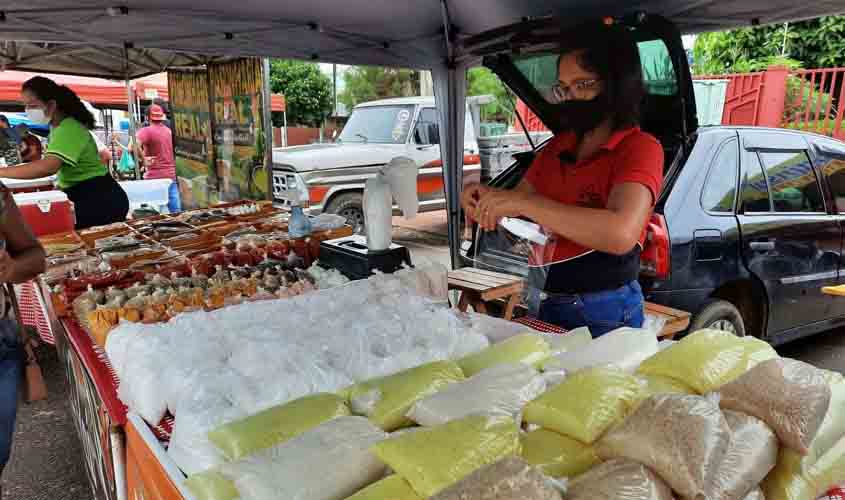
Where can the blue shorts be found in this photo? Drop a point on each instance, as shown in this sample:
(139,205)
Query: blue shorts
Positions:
(11,367)
(174,202)
(601,312)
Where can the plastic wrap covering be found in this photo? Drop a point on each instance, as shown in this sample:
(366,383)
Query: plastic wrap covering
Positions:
(585,404)
(329,462)
(707,359)
(682,438)
(756,494)
(619,480)
(495,329)
(392,487)
(833,425)
(624,348)
(434,458)
(212,485)
(573,340)
(276,425)
(656,384)
(751,455)
(386,400)
(557,455)
(526,348)
(502,390)
(508,479)
(791,396)
(829,469)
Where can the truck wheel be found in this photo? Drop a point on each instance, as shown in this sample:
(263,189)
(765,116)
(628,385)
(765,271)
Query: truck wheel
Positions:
(351,206)
(719,315)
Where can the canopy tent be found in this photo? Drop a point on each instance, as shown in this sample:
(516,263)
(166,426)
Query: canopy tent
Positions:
(418,34)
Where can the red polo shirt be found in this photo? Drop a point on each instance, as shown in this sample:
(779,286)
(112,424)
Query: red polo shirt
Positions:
(629,155)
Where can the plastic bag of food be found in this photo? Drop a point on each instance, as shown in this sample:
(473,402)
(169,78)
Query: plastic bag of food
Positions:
(508,479)
(392,487)
(329,462)
(752,454)
(656,384)
(525,348)
(618,479)
(833,425)
(785,481)
(756,494)
(434,458)
(557,455)
(568,342)
(501,390)
(212,485)
(585,404)
(682,438)
(624,348)
(276,425)
(791,396)
(495,329)
(707,359)
(386,400)
(829,469)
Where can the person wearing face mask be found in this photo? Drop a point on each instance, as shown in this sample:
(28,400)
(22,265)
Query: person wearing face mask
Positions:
(592,188)
(71,154)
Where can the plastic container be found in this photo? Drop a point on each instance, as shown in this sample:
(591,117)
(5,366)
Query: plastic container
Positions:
(154,193)
(299,226)
(46,212)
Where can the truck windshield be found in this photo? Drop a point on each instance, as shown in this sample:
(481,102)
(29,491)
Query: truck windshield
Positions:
(379,124)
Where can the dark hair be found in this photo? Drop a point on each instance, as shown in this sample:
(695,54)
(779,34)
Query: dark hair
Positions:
(66,100)
(5,120)
(611,52)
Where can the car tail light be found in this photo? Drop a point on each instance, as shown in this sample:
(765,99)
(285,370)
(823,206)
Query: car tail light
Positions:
(654,259)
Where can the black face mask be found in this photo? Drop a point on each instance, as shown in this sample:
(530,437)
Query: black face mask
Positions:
(582,116)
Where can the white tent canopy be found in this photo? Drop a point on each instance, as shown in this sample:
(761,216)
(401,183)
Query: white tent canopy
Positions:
(417,34)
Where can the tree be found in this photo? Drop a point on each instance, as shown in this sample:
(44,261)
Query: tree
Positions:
(482,81)
(368,83)
(307,91)
(817,43)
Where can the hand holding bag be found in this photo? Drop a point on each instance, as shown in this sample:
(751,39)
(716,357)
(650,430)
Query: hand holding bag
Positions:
(35,388)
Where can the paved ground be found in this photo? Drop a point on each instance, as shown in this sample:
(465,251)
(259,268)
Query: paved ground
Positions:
(46,462)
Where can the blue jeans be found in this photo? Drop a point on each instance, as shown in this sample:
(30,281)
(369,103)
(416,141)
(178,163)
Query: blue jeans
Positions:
(174,201)
(601,312)
(11,367)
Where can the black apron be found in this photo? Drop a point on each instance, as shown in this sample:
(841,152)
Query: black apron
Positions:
(98,201)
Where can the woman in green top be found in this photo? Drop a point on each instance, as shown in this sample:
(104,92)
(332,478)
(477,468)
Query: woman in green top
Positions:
(71,154)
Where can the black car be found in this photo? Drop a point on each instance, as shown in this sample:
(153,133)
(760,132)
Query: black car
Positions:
(746,230)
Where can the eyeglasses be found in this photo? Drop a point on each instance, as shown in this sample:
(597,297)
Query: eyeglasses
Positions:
(562,93)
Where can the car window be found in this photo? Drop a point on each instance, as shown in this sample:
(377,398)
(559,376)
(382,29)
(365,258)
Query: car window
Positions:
(427,117)
(831,161)
(720,189)
(755,190)
(792,182)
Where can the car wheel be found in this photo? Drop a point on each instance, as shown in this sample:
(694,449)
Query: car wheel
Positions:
(351,206)
(719,315)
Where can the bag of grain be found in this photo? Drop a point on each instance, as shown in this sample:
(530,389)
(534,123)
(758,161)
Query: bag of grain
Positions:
(751,455)
(791,396)
(392,487)
(434,458)
(618,479)
(386,400)
(276,425)
(557,455)
(211,485)
(508,479)
(682,438)
(585,404)
(624,348)
(707,359)
(756,494)
(526,348)
(829,469)
(501,390)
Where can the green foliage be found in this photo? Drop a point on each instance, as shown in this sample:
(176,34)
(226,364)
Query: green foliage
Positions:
(482,81)
(368,83)
(307,91)
(817,43)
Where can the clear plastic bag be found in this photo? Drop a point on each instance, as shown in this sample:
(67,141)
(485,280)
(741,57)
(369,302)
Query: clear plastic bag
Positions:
(557,455)
(791,396)
(624,348)
(392,487)
(276,425)
(525,348)
(378,213)
(707,359)
(585,404)
(752,454)
(386,400)
(212,485)
(434,458)
(682,438)
(508,479)
(401,175)
(502,390)
(655,384)
(756,494)
(618,479)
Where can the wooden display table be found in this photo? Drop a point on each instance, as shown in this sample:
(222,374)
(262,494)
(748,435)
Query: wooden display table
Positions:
(478,286)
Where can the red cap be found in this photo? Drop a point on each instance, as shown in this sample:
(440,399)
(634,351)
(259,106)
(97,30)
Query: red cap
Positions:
(156,113)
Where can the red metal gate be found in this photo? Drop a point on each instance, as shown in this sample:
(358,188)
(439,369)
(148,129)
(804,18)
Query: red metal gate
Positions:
(742,99)
(816,101)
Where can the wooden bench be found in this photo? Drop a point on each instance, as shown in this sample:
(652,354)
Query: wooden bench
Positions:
(478,286)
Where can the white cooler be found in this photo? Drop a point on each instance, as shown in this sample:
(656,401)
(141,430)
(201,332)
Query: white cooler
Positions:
(150,192)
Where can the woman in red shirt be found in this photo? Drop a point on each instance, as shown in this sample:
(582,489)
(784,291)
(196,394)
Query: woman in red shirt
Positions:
(592,187)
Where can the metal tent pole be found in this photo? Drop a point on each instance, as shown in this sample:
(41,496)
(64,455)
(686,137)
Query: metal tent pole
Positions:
(267,122)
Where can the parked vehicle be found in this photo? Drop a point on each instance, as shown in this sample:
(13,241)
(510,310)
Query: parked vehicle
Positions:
(331,176)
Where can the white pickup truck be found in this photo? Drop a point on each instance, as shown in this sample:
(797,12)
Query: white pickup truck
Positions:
(333,174)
